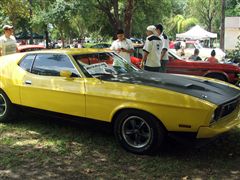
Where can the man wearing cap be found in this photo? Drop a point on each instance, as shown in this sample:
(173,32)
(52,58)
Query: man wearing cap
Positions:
(165,47)
(8,44)
(122,46)
(152,50)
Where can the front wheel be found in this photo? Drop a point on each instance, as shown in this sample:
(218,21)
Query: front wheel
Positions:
(7,110)
(139,132)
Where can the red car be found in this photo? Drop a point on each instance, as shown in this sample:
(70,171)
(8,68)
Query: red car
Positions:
(30,47)
(177,65)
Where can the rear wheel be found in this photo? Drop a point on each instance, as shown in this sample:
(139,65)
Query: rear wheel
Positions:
(7,110)
(139,132)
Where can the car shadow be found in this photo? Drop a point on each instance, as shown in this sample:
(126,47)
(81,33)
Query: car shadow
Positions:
(88,149)
(227,144)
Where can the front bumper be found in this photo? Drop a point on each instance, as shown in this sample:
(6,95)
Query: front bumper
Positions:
(222,125)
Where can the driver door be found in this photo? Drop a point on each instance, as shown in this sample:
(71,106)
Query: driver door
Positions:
(44,88)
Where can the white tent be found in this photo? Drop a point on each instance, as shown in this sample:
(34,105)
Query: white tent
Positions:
(197,32)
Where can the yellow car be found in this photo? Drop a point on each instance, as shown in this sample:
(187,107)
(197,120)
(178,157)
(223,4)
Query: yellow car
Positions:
(143,107)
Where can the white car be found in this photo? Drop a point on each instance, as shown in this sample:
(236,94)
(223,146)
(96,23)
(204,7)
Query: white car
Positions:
(204,53)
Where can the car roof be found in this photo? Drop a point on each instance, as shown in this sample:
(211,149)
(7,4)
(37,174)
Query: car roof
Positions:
(73,51)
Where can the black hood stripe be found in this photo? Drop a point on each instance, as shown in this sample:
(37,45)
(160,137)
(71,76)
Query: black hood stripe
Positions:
(207,90)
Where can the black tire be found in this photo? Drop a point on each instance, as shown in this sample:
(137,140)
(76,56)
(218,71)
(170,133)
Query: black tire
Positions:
(7,110)
(218,76)
(139,132)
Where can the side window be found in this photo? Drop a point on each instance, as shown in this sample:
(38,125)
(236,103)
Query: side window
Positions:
(27,62)
(52,65)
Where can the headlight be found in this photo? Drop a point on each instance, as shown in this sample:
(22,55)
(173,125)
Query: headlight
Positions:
(216,115)
(225,109)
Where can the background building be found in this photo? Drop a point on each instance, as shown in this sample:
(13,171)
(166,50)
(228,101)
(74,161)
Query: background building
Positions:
(232,32)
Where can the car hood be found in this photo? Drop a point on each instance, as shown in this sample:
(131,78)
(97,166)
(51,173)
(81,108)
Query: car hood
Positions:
(213,92)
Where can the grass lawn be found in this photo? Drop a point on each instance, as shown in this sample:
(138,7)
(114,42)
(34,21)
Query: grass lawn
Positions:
(46,148)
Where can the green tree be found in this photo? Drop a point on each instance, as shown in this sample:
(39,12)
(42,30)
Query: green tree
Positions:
(56,14)
(70,18)
(20,16)
(150,12)
(179,23)
(207,12)
(232,8)
(178,7)
(117,12)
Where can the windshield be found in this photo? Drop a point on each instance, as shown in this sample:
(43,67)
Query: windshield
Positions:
(198,45)
(105,63)
(173,54)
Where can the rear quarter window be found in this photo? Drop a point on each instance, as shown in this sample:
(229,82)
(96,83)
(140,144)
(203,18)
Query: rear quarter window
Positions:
(26,62)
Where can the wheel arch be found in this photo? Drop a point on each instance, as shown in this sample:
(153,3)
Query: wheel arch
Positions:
(1,89)
(217,73)
(119,111)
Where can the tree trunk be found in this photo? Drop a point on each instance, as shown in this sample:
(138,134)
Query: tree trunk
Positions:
(210,25)
(31,31)
(47,37)
(222,26)
(62,38)
(111,9)
(128,17)
(116,14)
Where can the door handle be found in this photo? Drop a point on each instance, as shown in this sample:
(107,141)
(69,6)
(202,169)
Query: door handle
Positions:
(28,82)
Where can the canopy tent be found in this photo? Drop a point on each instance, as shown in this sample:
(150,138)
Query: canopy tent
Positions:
(197,32)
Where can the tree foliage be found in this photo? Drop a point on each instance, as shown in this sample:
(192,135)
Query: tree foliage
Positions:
(206,11)
(19,17)
(67,19)
(179,24)
(232,8)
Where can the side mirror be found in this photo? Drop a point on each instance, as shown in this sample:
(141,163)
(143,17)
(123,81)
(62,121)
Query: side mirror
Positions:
(66,74)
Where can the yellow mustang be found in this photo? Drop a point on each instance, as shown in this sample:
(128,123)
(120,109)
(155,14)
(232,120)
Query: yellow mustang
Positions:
(97,84)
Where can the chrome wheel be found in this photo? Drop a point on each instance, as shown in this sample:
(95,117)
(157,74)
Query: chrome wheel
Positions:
(3,106)
(136,132)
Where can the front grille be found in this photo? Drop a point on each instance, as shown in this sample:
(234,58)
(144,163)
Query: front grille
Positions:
(226,109)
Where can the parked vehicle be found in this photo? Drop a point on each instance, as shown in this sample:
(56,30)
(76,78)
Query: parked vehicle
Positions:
(203,52)
(137,41)
(97,45)
(143,107)
(177,65)
(30,47)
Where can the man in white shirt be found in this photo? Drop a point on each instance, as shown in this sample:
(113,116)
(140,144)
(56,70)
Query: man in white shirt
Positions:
(8,44)
(183,47)
(164,54)
(152,50)
(123,46)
